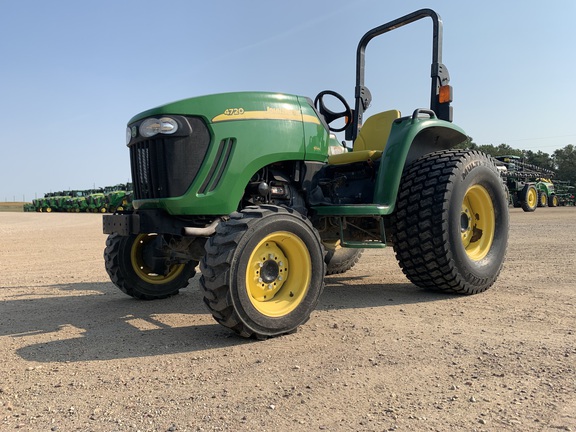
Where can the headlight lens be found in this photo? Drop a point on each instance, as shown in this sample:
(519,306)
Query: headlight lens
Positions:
(128,135)
(154,126)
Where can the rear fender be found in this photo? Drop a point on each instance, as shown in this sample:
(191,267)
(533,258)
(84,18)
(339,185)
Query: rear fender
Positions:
(411,138)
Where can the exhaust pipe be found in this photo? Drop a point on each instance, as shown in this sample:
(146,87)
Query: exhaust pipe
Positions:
(202,232)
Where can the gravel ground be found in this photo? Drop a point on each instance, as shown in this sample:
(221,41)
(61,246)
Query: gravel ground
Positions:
(379,354)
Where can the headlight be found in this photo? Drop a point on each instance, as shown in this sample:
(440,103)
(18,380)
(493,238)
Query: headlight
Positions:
(128,135)
(154,126)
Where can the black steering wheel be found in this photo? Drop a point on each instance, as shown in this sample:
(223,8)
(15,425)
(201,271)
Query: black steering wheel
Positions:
(330,115)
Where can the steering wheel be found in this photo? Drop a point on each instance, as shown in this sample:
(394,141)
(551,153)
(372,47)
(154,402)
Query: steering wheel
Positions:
(330,115)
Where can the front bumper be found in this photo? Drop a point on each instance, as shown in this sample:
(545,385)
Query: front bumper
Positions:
(159,222)
(123,224)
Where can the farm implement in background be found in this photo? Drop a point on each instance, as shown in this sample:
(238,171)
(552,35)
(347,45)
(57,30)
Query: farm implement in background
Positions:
(566,193)
(529,186)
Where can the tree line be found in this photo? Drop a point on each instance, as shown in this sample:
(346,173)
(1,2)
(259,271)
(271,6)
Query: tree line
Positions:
(562,161)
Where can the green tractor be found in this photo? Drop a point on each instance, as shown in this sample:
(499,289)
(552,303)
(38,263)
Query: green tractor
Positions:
(546,193)
(77,202)
(38,203)
(96,201)
(249,186)
(55,201)
(119,198)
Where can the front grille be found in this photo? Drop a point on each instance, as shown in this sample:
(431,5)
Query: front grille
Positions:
(165,166)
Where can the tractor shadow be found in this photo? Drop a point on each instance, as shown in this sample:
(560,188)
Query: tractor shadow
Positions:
(95,321)
(352,292)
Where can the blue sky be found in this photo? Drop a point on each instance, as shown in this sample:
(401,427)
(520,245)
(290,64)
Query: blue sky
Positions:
(74,72)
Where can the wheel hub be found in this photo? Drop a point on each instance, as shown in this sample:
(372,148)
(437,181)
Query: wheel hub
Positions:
(269,271)
(477,222)
(464,223)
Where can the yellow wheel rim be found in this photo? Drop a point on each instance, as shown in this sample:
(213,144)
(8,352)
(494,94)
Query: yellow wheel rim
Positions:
(278,274)
(331,245)
(142,270)
(543,200)
(477,222)
(532,197)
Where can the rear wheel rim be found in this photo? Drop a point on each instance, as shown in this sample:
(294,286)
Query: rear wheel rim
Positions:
(142,270)
(532,197)
(278,274)
(477,222)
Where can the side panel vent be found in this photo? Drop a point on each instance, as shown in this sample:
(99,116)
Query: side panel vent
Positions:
(219,166)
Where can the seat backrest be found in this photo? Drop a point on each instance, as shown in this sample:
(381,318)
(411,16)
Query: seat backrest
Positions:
(374,132)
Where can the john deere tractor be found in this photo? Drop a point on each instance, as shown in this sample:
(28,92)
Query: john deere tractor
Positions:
(118,197)
(246,185)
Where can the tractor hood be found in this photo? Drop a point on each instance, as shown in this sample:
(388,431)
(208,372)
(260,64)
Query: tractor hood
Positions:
(211,146)
(239,106)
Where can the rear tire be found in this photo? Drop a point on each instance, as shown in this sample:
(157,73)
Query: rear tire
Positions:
(263,271)
(529,198)
(450,225)
(125,265)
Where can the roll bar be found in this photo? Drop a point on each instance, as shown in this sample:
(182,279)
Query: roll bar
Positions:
(439,72)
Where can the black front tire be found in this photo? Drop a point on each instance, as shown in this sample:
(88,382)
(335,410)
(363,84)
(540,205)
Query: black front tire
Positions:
(340,260)
(263,271)
(123,258)
(450,224)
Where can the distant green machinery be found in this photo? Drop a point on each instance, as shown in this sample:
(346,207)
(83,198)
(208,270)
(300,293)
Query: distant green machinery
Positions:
(529,186)
(110,199)
(97,202)
(565,193)
(77,202)
(119,199)
(53,201)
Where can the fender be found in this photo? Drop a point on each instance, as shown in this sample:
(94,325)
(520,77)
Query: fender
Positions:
(411,138)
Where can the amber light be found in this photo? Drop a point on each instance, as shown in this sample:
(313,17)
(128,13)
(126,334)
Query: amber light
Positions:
(445,94)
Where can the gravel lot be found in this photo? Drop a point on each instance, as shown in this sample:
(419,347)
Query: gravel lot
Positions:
(378,354)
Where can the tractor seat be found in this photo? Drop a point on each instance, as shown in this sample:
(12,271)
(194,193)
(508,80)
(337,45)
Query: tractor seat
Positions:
(371,140)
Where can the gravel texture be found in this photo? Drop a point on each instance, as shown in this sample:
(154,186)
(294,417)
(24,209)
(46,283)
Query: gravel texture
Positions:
(378,354)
